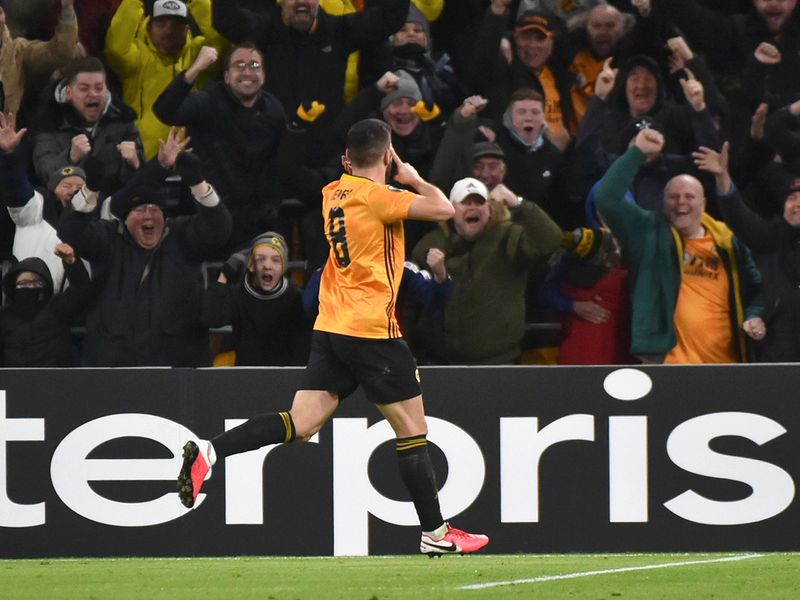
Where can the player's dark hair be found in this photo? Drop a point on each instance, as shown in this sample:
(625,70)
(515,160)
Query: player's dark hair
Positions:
(367,140)
(82,64)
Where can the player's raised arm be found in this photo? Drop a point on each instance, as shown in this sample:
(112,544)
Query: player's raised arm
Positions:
(430,204)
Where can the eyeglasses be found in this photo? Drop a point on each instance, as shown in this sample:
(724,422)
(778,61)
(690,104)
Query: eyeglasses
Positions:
(241,65)
(30,283)
(146,209)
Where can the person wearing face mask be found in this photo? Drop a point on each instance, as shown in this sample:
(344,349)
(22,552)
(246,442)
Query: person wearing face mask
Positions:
(410,49)
(490,245)
(264,307)
(150,286)
(35,322)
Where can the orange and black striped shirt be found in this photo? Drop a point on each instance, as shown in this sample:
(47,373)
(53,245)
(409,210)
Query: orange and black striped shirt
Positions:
(360,281)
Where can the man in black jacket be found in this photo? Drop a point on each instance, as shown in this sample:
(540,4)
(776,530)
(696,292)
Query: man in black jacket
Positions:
(305,51)
(776,248)
(149,282)
(236,128)
(80,120)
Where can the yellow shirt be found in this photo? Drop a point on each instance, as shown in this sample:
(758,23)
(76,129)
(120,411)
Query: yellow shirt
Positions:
(702,314)
(360,281)
(552,101)
(586,68)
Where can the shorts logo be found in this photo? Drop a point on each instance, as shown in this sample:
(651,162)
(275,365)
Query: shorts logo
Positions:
(416,374)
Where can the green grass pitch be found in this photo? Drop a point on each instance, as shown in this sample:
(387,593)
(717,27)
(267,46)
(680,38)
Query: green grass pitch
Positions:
(650,576)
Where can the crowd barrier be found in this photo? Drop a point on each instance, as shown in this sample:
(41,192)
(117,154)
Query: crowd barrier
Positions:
(543,459)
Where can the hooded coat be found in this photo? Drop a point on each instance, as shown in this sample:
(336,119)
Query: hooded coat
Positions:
(673,120)
(35,323)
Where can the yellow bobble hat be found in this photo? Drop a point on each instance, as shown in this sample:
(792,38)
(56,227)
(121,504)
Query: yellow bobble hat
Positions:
(275,241)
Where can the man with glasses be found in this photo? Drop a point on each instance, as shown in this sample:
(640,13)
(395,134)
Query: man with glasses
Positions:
(306,51)
(146,47)
(236,128)
(147,269)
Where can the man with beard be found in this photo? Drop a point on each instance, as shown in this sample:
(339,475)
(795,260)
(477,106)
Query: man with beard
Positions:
(145,48)
(306,51)
(236,128)
(150,286)
(35,323)
(264,307)
(602,34)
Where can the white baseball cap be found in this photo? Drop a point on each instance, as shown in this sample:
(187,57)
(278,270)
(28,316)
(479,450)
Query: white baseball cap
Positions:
(467,187)
(169,8)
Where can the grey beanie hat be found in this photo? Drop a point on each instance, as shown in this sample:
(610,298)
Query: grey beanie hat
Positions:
(406,88)
(62,173)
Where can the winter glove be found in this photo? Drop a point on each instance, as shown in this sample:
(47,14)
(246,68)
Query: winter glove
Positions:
(95,172)
(425,113)
(235,266)
(189,167)
(310,111)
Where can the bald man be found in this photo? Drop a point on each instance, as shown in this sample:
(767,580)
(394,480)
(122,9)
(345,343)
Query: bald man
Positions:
(696,292)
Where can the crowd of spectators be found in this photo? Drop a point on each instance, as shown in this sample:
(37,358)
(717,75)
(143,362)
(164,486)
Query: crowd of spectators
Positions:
(627,169)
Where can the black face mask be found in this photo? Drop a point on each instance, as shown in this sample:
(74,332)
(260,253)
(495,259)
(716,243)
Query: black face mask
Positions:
(28,301)
(409,51)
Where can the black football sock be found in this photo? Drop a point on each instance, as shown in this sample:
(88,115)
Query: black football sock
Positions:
(416,470)
(262,430)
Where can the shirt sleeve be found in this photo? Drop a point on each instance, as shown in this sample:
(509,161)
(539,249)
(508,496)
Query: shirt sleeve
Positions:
(391,204)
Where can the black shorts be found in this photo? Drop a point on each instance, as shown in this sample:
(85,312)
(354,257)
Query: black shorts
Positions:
(385,369)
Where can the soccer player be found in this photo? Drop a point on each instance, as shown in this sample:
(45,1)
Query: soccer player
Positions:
(356,339)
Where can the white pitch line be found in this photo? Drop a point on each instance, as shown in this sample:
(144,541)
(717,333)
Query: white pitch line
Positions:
(491,584)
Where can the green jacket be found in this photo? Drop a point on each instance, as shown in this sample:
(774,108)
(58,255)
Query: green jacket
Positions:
(653,251)
(484,320)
